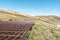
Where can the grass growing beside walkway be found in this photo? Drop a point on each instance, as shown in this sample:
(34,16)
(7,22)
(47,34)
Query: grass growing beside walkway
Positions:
(43,32)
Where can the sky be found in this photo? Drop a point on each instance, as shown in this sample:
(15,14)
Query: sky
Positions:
(32,7)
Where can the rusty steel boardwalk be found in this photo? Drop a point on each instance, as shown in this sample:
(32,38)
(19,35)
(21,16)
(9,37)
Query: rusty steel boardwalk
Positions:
(14,30)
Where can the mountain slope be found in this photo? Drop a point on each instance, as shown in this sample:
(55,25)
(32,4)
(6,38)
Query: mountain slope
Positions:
(45,29)
(7,15)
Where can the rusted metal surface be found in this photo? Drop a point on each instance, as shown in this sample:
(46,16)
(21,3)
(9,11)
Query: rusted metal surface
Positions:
(14,30)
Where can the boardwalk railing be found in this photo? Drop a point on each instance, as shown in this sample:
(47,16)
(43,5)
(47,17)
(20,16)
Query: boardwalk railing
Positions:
(14,30)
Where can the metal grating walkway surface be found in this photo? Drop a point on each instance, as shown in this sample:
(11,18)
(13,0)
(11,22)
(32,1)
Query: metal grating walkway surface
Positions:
(14,30)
